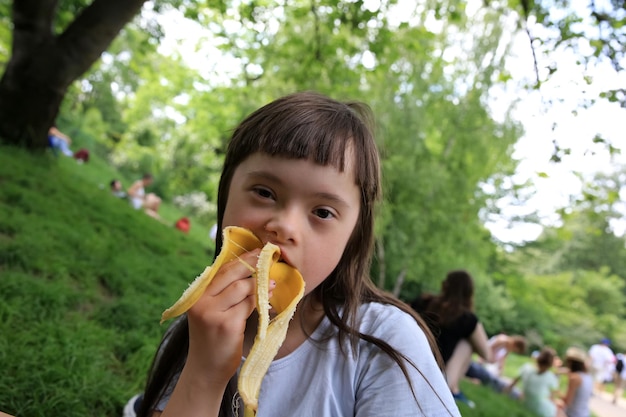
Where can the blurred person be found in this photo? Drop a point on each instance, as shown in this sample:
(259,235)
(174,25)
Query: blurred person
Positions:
(539,384)
(602,363)
(139,199)
(458,331)
(59,141)
(116,188)
(501,345)
(575,402)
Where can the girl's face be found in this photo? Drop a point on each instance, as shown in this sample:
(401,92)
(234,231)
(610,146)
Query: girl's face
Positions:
(308,210)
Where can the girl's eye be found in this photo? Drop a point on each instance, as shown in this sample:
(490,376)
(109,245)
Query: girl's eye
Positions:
(263,192)
(324,213)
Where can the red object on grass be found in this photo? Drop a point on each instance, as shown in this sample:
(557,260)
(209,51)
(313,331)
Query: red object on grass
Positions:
(183,224)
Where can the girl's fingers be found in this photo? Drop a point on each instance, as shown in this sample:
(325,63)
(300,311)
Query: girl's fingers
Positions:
(229,272)
(238,292)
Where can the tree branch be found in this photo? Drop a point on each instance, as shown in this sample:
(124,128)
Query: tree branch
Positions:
(526,8)
(380,252)
(92,32)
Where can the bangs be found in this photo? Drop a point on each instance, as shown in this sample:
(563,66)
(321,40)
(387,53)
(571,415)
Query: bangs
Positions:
(301,129)
(322,142)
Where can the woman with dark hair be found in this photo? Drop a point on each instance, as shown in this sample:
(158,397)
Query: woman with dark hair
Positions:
(450,315)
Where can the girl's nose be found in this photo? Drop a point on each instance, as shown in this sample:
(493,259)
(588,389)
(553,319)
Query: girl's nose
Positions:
(283,226)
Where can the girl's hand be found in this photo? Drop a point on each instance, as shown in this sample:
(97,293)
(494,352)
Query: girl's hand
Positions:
(217,321)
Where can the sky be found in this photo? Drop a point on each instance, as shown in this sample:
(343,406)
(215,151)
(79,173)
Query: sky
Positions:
(573,130)
(554,183)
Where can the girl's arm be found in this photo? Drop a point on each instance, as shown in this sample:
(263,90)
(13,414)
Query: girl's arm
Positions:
(194,396)
(574,381)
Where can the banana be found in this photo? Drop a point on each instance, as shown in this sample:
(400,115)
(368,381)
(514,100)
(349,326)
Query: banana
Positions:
(236,242)
(270,333)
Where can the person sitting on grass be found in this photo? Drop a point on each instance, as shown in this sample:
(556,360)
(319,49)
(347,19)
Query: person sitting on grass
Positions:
(116,188)
(139,199)
(450,316)
(59,141)
(490,374)
(540,384)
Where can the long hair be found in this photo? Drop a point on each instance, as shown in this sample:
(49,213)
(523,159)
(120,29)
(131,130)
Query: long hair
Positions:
(456,297)
(314,127)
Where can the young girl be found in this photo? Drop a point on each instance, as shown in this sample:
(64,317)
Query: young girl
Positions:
(303,173)
(540,384)
(579,384)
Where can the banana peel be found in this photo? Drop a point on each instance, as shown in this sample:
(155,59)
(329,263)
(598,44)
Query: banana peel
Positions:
(271,334)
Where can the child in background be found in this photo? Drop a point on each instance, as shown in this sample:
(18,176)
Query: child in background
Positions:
(116,188)
(540,384)
(302,172)
(150,202)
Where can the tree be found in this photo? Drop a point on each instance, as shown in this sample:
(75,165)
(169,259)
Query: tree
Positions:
(593,34)
(43,64)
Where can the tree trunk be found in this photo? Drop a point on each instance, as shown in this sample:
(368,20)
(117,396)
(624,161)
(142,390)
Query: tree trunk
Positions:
(399,281)
(42,65)
(28,102)
(380,252)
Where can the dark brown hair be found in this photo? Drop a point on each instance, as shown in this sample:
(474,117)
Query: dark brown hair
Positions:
(456,297)
(308,126)
(575,365)
(545,359)
(519,344)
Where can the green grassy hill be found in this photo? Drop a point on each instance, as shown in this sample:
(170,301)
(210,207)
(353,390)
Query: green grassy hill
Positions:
(83,280)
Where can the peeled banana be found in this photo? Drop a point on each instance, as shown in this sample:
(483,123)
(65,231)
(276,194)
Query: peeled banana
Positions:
(270,333)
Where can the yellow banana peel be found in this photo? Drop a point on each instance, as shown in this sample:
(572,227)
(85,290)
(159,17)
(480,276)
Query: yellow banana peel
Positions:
(271,334)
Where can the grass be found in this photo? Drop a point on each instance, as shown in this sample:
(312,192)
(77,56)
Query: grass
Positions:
(84,279)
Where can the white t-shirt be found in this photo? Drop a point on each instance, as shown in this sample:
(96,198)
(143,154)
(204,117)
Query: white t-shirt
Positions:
(602,361)
(317,380)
